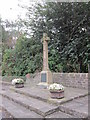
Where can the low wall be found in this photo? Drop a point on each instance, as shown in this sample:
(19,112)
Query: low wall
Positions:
(78,80)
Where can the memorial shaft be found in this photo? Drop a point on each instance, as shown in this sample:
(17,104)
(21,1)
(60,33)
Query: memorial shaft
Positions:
(46,75)
(45,55)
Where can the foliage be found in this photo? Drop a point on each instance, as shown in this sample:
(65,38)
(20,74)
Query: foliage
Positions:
(17,81)
(56,87)
(8,62)
(67,25)
(25,58)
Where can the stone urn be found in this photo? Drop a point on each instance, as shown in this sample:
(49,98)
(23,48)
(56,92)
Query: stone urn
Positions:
(19,85)
(57,94)
(56,90)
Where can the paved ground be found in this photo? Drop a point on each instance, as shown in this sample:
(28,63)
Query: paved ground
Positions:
(5,114)
(0,113)
(38,104)
(35,91)
(79,105)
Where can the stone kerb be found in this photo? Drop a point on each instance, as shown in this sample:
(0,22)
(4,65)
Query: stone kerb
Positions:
(77,80)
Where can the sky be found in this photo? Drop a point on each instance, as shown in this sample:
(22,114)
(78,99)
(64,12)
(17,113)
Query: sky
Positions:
(10,10)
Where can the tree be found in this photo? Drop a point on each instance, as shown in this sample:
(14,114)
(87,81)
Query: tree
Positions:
(67,24)
(25,58)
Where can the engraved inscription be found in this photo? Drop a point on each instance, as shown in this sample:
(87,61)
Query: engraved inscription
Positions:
(43,77)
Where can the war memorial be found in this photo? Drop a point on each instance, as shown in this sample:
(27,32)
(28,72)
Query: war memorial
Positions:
(34,99)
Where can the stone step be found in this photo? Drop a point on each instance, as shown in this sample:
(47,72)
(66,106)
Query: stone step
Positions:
(4,83)
(44,94)
(77,107)
(40,107)
(60,115)
(6,114)
(13,109)
(3,112)
(18,111)
(0,112)
(31,93)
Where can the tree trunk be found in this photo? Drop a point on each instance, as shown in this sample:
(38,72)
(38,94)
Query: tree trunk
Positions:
(81,67)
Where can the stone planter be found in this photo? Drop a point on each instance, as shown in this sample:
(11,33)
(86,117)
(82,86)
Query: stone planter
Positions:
(20,85)
(57,94)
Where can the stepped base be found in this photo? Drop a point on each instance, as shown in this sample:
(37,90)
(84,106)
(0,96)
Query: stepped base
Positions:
(33,101)
(43,85)
(46,77)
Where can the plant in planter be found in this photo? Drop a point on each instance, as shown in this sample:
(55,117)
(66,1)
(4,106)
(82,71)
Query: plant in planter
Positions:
(56,90)
(18,83)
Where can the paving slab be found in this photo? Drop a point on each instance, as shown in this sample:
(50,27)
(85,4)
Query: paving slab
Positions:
(83,100)
(18,111)
(44,94)
(12,107)
(77,107)
(0,113)
(37,99)
(36,105)
(10,110)
(6,114)
(60,115)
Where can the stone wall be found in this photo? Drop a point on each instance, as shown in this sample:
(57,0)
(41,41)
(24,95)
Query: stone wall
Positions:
(77,80)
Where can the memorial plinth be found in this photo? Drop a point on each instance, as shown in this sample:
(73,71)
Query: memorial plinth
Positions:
(46,75)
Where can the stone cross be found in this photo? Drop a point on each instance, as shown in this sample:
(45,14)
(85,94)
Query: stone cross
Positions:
(45,40)
(46,75)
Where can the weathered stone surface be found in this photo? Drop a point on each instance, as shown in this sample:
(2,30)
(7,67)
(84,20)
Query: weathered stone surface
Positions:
(36,92)
(44,94)
(46,75)
(36,105)
(77,80)
(0,113)
(45,40)
(78,107)
(6,114)
(60,115)
(83,100)
(18,111)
